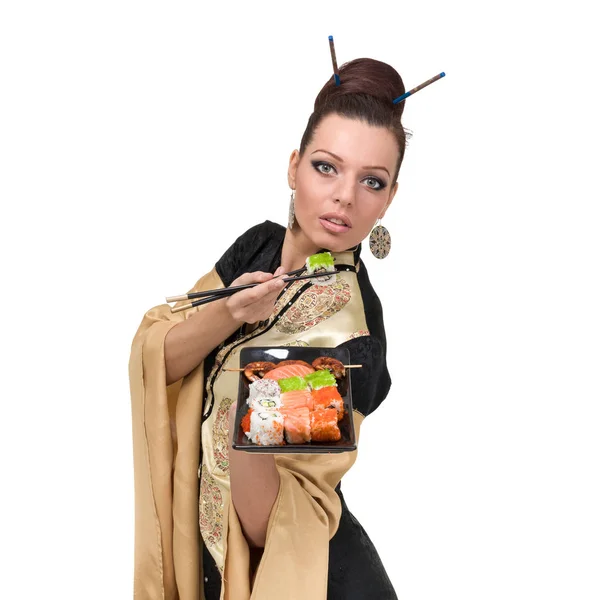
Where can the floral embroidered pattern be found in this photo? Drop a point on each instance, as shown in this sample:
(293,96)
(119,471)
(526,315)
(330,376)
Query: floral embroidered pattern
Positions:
(358,333)
(297,343)
(317,303)
(210,510)
(221,435)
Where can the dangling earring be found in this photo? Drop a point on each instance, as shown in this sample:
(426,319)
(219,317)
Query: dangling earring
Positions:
(380,241)
(291,213)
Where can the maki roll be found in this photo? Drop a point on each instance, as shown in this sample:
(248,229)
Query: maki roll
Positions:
(263,388)
(266,403)
(324,425)
(328,397)
(266,428)
(321,262)
(246,422)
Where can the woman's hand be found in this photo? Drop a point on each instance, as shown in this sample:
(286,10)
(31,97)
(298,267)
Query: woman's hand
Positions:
(257,303)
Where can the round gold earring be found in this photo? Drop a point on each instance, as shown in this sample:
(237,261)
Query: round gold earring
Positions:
(291,213)
(380,241)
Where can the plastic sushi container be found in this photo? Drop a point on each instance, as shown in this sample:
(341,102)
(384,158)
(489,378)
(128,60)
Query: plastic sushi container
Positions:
(275,354)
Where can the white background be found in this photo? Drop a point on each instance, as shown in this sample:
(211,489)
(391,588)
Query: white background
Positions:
(138,139)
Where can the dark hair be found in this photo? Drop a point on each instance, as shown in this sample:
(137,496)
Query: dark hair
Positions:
(366,91)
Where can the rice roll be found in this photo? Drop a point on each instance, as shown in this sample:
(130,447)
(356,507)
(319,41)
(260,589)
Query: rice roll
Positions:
(321,262)
(328,397)
(266,428)
(324,425)
(266,403)
(264,388)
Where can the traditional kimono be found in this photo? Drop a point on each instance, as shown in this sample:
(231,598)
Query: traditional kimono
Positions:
(189,542)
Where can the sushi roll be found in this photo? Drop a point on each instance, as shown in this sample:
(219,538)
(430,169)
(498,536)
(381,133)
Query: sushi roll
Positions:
(292,384)
(324,425)
(266,428)
(266,403)
(246,423)
(321,262)
(263,388)
(328,397)
(320,379)
(297,425)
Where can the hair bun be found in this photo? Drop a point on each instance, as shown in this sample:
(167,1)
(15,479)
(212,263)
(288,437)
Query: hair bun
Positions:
(364,76)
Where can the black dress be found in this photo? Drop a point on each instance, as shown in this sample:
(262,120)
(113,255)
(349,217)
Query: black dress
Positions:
(355,568)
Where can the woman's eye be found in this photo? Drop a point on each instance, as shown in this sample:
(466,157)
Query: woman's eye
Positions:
(327,166)
(377,185)
(326,169)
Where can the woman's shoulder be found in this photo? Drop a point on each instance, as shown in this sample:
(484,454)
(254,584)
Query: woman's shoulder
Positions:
(251,251)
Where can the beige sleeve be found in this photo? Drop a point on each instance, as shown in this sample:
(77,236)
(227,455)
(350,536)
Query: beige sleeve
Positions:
(305,516)
(166,447)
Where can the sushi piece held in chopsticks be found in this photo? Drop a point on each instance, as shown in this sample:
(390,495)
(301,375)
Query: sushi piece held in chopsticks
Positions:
(266,428)
(324,425)
(321,262)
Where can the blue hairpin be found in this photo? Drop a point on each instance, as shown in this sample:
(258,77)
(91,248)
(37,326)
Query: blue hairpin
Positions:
(419,87)
(336,73)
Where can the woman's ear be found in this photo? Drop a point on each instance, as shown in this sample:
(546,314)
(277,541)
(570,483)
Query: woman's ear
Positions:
(293,166)
(392,194)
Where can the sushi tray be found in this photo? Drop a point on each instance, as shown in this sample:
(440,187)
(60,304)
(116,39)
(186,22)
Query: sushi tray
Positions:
(294,400)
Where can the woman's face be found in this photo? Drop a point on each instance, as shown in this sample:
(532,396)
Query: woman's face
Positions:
(345,173)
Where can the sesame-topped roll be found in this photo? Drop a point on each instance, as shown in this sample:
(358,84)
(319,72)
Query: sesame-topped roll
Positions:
(265,388)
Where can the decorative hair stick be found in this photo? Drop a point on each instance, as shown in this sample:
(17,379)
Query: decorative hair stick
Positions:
(336,72)
(419,87)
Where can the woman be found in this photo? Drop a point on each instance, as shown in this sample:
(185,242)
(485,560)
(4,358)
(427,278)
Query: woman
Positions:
(271,526)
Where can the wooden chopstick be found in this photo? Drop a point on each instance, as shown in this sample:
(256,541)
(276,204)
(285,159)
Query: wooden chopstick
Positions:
(224,292)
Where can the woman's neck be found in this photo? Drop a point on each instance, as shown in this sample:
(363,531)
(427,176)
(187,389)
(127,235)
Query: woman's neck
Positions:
(296,247)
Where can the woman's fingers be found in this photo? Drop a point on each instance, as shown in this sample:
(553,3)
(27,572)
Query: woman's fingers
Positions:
(256,303)
(260,292)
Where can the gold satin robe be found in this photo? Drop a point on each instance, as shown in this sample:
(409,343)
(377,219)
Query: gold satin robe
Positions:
(175,515)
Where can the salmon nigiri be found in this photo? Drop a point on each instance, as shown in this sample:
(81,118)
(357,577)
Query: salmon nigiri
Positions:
(297,425)
(286,371)
(296,399)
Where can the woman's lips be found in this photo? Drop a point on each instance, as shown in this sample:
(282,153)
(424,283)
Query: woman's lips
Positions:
(334,227)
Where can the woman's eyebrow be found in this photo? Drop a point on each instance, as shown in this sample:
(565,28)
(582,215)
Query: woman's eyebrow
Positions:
(342,160)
